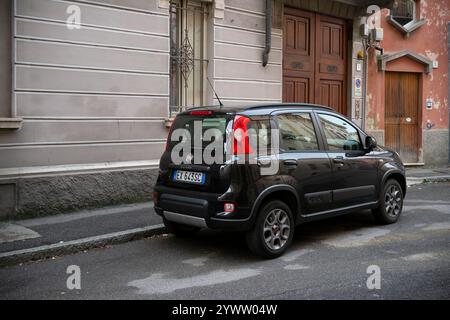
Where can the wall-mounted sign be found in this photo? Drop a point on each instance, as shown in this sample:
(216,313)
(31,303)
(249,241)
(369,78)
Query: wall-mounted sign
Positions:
(358,88)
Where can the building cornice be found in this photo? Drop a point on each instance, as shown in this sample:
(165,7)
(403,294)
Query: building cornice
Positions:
(385,58)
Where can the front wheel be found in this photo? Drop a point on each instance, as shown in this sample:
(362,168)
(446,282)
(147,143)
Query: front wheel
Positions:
(391,203)
(273,230)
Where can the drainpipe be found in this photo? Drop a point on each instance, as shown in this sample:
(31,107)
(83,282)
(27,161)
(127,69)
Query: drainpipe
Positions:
(365,79)
(268,33)
(448,83)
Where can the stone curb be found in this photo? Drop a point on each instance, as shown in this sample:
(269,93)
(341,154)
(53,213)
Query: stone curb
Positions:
(411,181)
(444,178)
(74,246)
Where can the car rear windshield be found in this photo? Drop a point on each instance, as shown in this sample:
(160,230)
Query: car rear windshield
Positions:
(197,130)
(187,122)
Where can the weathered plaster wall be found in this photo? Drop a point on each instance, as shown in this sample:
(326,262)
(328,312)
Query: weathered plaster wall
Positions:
(430,40)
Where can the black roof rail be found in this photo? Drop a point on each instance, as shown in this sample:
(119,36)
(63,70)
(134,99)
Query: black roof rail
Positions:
(290,104)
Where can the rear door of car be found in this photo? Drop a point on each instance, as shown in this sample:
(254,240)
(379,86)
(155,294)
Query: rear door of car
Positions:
(303,158)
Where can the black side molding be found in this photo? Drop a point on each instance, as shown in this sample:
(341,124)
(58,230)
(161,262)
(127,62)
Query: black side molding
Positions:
(354,192)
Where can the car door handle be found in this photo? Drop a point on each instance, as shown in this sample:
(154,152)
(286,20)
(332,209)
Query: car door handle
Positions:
(339,160)
(290,162)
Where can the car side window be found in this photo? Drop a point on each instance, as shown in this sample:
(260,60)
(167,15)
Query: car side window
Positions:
(264,136)
(297,132)
(340,134)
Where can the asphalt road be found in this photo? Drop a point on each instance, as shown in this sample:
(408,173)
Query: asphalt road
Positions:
(327,260)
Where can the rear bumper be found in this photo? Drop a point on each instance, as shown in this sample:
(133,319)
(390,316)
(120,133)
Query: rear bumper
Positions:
(185,219)
(199,209)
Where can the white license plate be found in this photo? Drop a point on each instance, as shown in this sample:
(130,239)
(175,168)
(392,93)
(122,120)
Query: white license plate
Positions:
(189,177)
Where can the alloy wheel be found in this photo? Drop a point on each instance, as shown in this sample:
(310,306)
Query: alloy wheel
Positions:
(277,228)
(393,200)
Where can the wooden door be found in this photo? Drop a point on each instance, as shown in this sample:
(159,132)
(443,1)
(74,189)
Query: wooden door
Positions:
(402,114)
(298,56)
(314,59)
(330,71)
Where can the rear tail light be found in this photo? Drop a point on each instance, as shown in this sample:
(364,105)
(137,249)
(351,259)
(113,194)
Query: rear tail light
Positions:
(241,143)
(155,196)
(228,207)
(166,147)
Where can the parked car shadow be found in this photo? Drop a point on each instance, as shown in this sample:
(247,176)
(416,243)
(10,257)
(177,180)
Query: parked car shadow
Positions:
(232,245)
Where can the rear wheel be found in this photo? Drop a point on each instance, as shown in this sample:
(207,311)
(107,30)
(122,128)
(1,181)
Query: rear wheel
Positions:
(273,230)
(391,203)
(180,230)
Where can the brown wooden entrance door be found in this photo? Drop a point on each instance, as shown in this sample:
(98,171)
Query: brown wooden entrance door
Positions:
(402,114)
(314,59)
(298,56)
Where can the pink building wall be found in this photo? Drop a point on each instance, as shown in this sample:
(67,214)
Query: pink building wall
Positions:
(430,41)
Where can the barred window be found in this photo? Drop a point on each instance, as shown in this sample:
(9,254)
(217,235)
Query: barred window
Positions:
(188,64)
(404,11)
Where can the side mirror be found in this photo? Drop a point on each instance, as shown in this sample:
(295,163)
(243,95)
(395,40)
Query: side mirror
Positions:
(371,143)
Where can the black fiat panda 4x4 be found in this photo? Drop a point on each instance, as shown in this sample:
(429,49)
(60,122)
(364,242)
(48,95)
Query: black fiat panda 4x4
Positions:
(308,163)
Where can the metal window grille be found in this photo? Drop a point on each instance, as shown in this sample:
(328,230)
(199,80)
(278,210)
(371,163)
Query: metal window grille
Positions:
(188,63)
(403,11)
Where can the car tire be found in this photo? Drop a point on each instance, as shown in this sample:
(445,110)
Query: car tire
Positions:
(391,203)
(180,230)
(273,230)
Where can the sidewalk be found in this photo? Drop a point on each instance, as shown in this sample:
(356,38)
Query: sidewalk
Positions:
(46,237)
(420,175)
(33,239)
